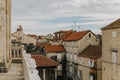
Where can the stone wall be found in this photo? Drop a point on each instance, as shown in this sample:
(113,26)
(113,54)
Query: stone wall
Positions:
(5,25)
(110,70)
(80,45)
(86,69)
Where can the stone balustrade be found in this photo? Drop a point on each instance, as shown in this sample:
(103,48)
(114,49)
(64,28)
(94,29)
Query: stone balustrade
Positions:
(29,66)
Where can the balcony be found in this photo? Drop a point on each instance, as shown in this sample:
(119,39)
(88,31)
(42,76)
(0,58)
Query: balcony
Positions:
(24,70)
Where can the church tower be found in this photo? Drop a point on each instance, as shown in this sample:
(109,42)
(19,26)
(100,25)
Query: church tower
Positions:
(5,33)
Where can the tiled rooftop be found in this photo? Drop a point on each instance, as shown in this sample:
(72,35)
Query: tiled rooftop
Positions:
(91,52)
(43,61)
(54,48)
(76,35)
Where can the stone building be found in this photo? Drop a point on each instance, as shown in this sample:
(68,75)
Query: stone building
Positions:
(17,39)
(16,48)
(47,68)
(5,31)
(90,63)
(33,36)
(24,38)
(59,36)
(56,53)
(111,50)
(42,39)
(74,44)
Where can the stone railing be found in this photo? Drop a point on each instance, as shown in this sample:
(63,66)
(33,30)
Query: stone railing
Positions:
(29,66)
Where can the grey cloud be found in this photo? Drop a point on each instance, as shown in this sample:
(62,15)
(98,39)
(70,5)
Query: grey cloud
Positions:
(28,10)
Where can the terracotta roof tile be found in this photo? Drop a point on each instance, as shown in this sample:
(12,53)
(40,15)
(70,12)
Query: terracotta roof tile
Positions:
(115,24)
(43,61)
(91,52)
(67,33)
(76,35)
(54,48)
(64,34)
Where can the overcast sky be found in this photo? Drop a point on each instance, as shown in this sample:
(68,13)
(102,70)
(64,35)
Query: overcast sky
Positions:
(47,16)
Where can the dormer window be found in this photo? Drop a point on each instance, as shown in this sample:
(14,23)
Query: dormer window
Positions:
(114,34)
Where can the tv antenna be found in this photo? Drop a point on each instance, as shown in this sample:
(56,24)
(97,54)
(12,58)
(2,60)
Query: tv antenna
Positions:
(78,27)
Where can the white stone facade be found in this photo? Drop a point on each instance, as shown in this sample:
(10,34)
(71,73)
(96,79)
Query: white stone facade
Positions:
(22,37)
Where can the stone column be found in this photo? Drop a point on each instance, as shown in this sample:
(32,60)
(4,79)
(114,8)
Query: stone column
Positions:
(17,52)
(13,53)
(56,74)
(8,29)
(44,70)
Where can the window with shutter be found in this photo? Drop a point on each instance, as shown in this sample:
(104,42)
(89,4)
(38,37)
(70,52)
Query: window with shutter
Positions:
(114,57)
(59,56)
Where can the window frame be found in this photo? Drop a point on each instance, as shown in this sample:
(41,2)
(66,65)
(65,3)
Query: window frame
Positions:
(114,33)
(114,56)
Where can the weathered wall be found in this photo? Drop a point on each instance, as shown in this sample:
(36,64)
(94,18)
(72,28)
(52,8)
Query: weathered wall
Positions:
(110,70)
(5,25)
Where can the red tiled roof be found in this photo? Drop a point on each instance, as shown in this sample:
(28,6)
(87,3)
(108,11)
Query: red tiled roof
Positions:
(64,34)
(54,48)
(91,52)
(115,24)
(43,61)
(76,35)
(67,33)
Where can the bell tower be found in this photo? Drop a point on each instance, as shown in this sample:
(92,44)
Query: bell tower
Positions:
(5,33)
